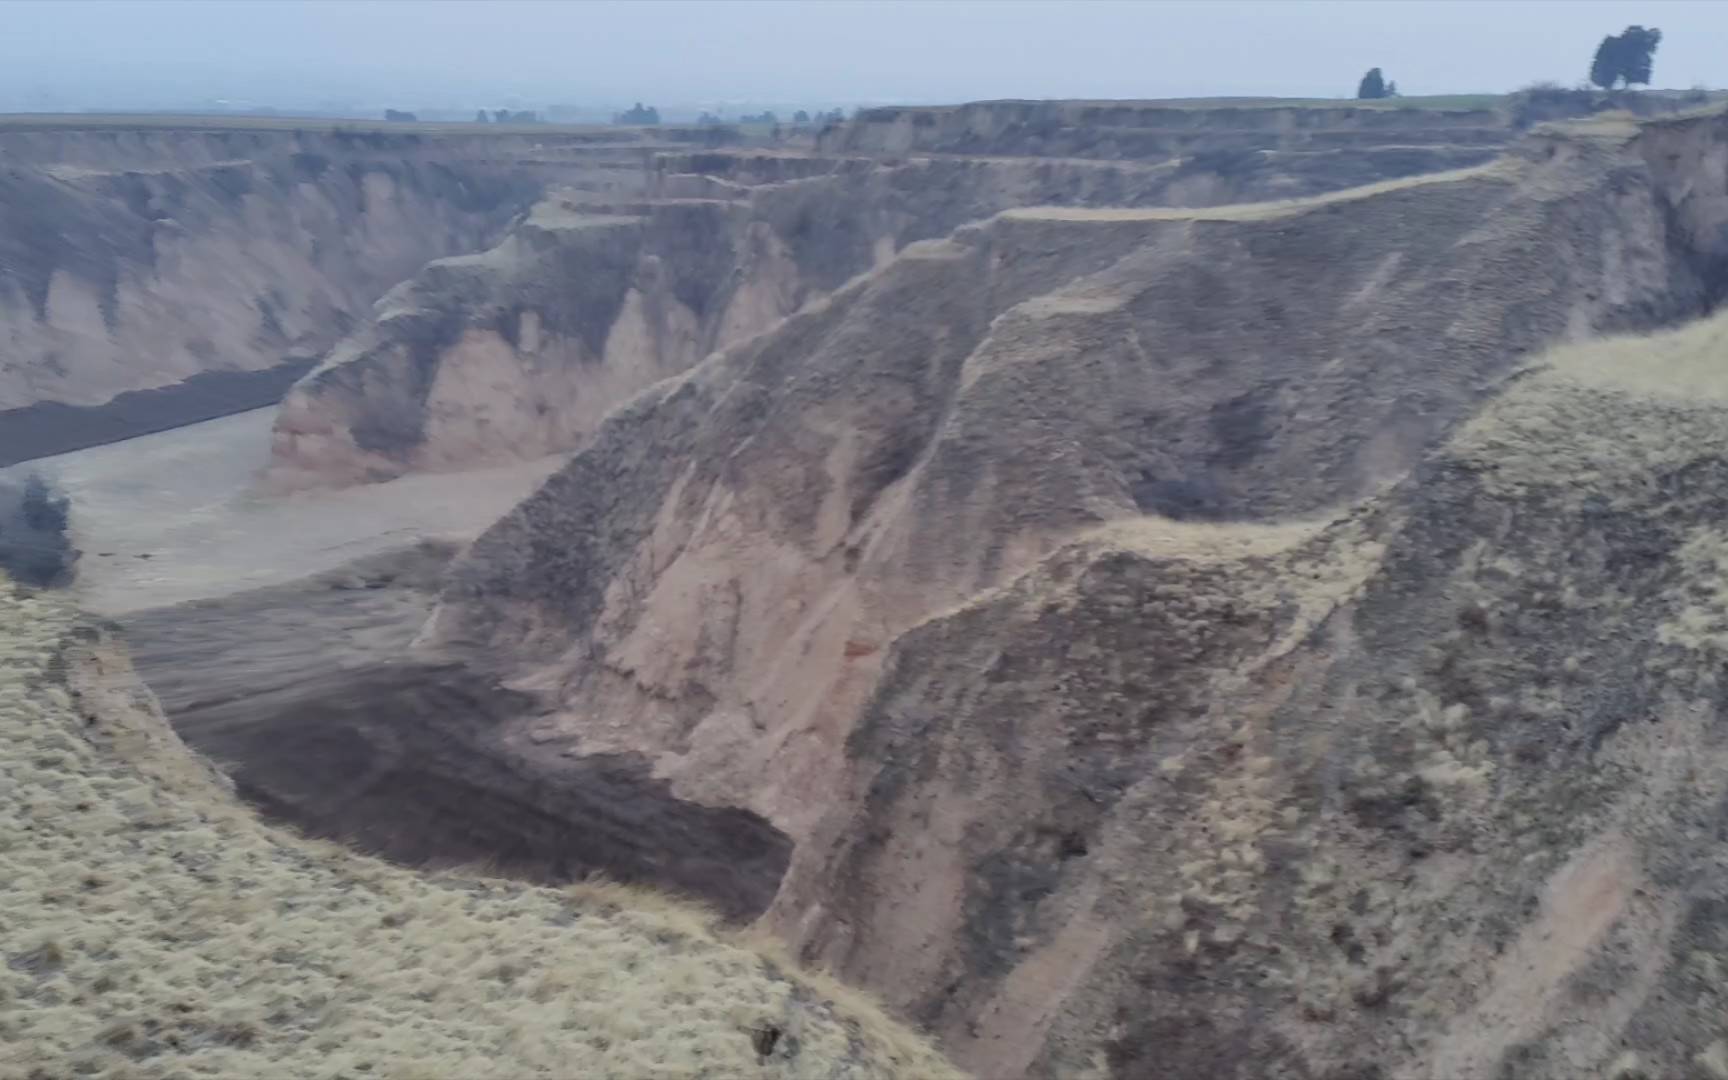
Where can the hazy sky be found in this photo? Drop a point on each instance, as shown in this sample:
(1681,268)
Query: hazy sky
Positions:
(119,52)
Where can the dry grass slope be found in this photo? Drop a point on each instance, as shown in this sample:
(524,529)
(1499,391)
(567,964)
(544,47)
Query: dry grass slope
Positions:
(154,928)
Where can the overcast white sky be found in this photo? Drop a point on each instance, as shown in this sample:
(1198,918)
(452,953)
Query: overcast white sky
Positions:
(119,52)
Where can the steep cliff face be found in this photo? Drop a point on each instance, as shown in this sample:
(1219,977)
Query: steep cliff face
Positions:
(136,260)
(1431,789)
(1019,584)
(616,294)
(522,349)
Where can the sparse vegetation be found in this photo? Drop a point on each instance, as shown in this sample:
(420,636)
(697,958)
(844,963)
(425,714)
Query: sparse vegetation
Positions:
(154,928)
(638,114)
(1373,86)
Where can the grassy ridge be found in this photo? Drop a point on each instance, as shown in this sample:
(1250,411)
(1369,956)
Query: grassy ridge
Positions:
(154,928)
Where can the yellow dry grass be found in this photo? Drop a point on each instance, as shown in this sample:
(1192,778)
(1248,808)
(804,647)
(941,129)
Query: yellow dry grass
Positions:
(1607,414)
(1604,420)
(151,927)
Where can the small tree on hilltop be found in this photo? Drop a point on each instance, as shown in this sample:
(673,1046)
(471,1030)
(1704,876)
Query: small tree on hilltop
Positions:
(34,548)
(638,114)
(1625,57)
(1638,53)
(1372,86)
(1605,67)
(42,511)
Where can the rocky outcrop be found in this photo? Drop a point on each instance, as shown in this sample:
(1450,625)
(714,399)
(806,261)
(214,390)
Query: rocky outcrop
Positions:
(611,295)
(1184,640)
(139,259)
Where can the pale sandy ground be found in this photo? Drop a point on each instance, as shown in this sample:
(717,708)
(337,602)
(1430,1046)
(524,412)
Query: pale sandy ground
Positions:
(172,517)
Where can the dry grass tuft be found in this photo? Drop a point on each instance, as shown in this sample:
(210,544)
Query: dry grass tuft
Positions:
(1612,411)
(154,928)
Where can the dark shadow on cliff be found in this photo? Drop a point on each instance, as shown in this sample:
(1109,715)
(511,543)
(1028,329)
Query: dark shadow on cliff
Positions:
(404,762)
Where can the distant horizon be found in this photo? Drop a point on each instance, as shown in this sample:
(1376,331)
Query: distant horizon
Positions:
(728,112)
(294,55)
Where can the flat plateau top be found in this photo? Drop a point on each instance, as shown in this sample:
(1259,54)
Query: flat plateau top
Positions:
(218,122)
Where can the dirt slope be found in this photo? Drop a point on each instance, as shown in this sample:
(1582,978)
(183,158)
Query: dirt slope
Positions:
(1018,584)
(154,928)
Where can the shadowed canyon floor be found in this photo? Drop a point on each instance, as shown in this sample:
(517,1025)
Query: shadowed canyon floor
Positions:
(1140,632)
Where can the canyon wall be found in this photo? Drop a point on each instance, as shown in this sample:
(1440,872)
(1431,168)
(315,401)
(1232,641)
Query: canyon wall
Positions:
(158,274)
(1158,633)
(521,352)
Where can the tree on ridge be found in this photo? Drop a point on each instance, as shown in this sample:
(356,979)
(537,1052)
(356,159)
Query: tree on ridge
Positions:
(1626,57)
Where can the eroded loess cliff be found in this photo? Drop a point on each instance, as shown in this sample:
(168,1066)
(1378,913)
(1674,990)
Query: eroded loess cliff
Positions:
(522,351)
(1251,641)
(1432,788)
(159,274)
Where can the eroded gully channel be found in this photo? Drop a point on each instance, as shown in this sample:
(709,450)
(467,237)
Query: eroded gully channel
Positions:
(295,691)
